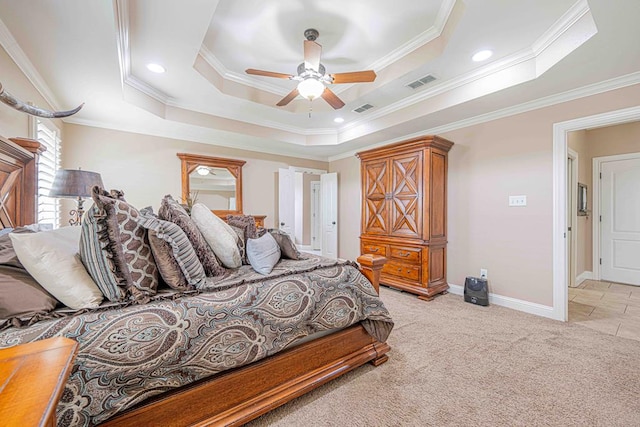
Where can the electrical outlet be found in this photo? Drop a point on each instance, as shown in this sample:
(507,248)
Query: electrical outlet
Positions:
(518,201)
(483,273)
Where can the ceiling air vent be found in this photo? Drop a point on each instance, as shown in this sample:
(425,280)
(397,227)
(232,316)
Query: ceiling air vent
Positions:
(421,82)
(363,108)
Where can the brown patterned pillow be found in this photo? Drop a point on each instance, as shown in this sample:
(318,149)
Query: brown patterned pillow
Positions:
(241,242)
(287,247)
(126,242)
(170,210)
(167,264)
(245,222)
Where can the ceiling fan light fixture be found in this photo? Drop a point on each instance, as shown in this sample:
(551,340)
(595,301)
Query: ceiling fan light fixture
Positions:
(202,170)
(311,88)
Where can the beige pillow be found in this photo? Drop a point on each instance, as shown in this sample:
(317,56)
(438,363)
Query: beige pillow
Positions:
(220,236)
(51,257)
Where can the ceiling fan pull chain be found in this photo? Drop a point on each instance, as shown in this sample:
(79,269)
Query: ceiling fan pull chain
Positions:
(310,107)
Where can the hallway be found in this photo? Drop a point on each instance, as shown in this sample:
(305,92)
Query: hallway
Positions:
(612,308)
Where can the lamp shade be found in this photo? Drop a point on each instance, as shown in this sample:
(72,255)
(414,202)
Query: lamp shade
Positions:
(74,183)
(310,88)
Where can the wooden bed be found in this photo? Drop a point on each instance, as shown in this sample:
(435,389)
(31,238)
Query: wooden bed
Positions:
(233,397)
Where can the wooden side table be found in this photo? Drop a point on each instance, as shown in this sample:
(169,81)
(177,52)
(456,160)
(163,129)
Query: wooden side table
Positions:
(32,377)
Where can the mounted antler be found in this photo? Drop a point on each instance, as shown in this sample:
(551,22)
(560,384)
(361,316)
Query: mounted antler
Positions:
(8,99)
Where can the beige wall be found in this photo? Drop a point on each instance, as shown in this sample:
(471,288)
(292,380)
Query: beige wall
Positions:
(488,163)
(146,167)
(13,122)
(349,204)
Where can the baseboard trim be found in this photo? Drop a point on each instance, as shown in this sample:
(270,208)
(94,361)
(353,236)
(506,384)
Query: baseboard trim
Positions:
(585,275)
(513,303)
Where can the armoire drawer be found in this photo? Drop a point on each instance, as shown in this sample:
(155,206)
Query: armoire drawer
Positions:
(373,248)
(402,270)
(405,254)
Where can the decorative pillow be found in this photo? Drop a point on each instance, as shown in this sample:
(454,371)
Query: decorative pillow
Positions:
(220,237)
(246,222)
(127,244)
(97,260)
(51,258)
(287,247)
(170,210)
(240,242)
(176,259)
(20,295)
(263,253)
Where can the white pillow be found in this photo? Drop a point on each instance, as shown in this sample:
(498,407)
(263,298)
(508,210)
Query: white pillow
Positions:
(51,257)
(218,234)
(263,253)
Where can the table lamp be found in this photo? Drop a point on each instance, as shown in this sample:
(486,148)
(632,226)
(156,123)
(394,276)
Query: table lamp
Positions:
(75,184)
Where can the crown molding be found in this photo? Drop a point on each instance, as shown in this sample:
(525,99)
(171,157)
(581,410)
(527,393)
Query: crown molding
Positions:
(585,91)
(420,40)
(15,52)
(219,67)
(560,27)
(121,18)
(181,135)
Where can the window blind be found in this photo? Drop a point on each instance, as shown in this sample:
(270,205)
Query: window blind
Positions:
(49,162)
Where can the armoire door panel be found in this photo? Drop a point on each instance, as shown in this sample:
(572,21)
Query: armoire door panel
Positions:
(438,195)
(404,214)
(375,212)
(376,217)
(406,198)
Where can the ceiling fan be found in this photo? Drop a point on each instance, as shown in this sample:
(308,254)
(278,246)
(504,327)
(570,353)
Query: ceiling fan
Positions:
(312,77)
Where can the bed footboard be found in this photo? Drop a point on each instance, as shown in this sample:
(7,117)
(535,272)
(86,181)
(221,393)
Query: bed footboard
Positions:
(371,266)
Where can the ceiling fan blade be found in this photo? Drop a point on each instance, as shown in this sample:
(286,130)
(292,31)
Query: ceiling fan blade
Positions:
(267,73)
(354,77)
(332,99)
(287,99)
(312,52)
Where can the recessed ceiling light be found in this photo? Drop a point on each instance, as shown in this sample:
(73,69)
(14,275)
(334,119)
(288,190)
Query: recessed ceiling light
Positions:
(482,55)
(156,68)
(338,120)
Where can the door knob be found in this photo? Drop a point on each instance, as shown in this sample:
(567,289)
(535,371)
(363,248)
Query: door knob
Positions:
(282,223)
(333,223)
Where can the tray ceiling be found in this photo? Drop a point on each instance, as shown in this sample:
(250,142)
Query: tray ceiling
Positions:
(97,52)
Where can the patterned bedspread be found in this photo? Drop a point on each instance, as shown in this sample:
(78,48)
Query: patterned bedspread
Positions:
(130,353)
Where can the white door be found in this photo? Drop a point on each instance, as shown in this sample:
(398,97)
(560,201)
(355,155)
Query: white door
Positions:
(620,223)
(316,225)
(286,204)
(329,214)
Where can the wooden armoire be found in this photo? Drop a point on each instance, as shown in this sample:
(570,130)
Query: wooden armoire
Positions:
(404,213)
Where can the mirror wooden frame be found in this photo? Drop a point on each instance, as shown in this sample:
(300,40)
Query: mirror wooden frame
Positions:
(191,161)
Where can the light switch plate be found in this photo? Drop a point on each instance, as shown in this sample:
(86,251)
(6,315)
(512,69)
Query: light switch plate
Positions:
(518,201)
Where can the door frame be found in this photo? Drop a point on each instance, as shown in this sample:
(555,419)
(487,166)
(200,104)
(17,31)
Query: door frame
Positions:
(597,167)
(573,212)
(560,131)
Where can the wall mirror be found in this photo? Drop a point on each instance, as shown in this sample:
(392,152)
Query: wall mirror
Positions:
(215,182)
(582,200)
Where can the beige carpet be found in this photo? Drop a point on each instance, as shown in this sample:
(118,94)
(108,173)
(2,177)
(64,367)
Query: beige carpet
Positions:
(456,364)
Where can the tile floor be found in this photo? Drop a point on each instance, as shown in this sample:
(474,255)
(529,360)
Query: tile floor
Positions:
(612,308)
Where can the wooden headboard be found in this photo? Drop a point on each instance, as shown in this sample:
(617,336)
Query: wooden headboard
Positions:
(18,181)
